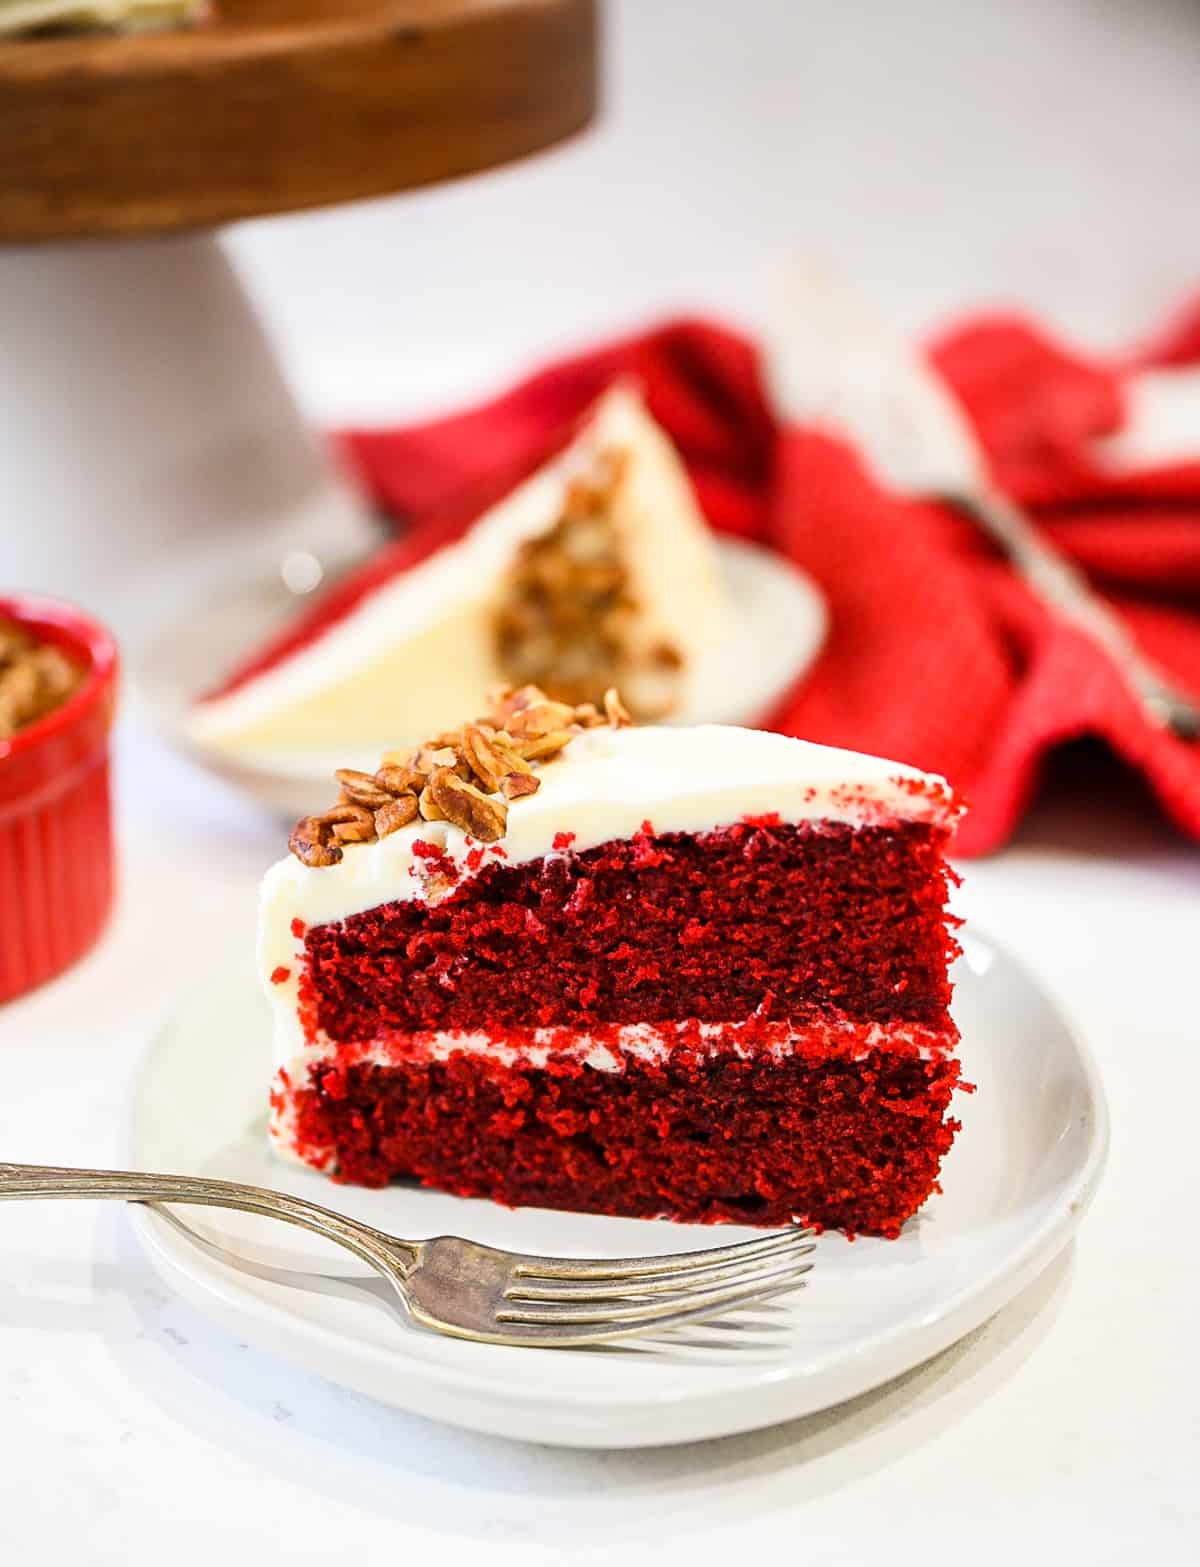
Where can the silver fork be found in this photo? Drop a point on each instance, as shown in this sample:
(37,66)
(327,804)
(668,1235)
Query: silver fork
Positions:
(469,1291)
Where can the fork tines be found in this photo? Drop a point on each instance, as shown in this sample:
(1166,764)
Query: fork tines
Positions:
(655,1292)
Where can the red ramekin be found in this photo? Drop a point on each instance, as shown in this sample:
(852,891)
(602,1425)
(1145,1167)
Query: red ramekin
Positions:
(56,847)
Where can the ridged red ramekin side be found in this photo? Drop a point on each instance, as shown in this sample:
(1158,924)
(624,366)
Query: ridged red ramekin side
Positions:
(56,845)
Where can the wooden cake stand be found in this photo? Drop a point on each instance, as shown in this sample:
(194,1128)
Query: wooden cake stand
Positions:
(147,436)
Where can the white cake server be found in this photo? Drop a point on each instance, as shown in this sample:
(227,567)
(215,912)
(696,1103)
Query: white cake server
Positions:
(832,366)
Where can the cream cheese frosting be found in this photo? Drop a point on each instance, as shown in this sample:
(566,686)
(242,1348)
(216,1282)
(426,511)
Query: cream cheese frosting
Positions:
(608,782)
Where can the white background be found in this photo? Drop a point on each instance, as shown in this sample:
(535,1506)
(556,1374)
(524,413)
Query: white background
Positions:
(944,154)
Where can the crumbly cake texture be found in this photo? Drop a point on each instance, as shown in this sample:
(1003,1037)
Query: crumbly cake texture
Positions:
(595,569)
(681,1003)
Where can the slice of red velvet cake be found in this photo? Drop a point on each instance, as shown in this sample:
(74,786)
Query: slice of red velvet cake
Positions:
(557,961)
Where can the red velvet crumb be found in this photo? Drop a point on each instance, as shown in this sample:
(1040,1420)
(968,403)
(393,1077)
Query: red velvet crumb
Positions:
(646,929)
(808,926)
(854,1145)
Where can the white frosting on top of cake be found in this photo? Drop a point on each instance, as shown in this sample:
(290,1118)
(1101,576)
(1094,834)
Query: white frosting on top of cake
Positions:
(604,786)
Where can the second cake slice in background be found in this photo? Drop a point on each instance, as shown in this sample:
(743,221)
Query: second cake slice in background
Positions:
(597,570)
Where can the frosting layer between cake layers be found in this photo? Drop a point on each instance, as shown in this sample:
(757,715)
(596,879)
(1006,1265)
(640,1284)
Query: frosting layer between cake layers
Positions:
(609,785)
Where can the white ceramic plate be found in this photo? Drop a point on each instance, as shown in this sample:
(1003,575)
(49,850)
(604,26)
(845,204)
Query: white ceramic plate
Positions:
(1016,1185)
(778,626)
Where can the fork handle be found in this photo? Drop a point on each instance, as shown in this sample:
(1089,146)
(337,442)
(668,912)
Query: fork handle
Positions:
(1067,591)
(45,1180)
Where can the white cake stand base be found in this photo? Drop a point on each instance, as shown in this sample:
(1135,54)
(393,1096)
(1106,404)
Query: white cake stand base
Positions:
(150,449)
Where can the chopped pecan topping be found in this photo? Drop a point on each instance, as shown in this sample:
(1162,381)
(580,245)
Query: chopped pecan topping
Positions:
(310,843)
(354,832)
(666,656)
(431,756)
(568,614)
(489,763)
(449,738)
(395,814)
(466,776)
(506,701)
(514,761)
(540,718)
(344,813)
(517,785)
(35,678)
(615,710)
(362,788)
(14,641)
(396,779)
(538,749)
(430,810)
(468,807)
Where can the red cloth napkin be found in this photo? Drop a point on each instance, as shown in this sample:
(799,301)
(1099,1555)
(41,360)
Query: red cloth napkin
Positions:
(937,654)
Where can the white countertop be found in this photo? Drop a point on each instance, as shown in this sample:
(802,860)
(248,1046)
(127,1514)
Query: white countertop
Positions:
(944,156)
(137,1432)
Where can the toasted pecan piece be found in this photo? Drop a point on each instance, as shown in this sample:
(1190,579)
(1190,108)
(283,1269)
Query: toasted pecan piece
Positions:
(430,757)
(14,640)
(515,786)
(615,710)
(309,842)
(542,746)
(344,813)
(489,762)
(451,738)
(397,778)
(506,701)
(430,810)
(540,718)
(507,746)
(468,807)
(354,832)
(362,788)
(348,822)
(395,814)
(35,678)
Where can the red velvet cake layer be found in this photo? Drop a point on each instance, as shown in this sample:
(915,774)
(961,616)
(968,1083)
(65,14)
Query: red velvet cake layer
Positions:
(777,921)
(841,1142)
